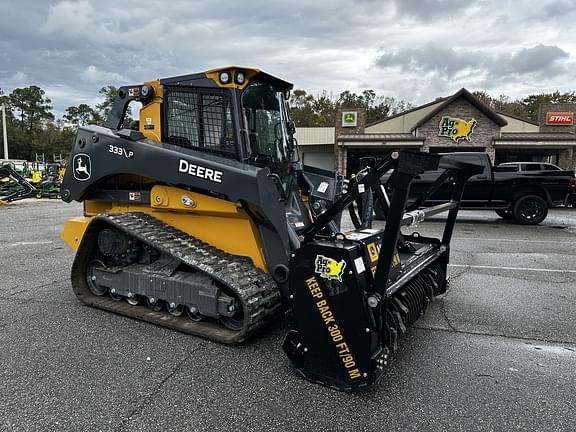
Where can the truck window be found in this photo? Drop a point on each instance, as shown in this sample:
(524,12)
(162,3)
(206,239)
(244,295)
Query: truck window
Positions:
(471,158)
(533,167)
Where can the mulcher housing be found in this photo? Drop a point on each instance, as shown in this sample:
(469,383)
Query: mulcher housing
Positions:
(202,219)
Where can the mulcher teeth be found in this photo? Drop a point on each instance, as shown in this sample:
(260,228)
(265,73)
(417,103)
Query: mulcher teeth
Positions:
(411,301)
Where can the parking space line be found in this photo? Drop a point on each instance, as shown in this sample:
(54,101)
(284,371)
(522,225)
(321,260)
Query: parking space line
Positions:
(512,240)
(512,268)
(29,243)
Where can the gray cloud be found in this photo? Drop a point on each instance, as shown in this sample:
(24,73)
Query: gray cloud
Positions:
(72,47)
(430,9)
(540,58)
(431,58)
(559,9)
(448,62)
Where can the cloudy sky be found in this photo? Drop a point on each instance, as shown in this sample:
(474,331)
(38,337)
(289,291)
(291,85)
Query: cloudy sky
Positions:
(414,50)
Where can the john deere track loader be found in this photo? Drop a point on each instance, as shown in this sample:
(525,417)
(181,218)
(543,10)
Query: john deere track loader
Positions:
(202,219)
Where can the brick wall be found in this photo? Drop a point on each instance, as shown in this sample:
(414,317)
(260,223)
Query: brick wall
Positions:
(360,123)
(482,137)
(567,159)
(555,107)
(340,159)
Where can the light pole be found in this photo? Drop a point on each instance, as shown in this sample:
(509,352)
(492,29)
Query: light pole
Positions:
(4,133)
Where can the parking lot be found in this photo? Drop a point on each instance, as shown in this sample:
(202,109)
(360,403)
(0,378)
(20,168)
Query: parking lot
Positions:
(496,353)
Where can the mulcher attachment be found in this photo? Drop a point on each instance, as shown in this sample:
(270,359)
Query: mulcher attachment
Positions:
(354,294)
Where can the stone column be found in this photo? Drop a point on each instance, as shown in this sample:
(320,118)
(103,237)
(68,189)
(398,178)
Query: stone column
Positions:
(425,147)
(341,152)
(342,129)
(340,159)
(491,152)
(566,159)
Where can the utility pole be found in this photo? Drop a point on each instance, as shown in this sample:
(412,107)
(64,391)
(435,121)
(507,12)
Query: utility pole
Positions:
(4,133)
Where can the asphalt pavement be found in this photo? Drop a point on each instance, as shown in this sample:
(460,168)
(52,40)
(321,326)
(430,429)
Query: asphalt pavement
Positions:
(496,353)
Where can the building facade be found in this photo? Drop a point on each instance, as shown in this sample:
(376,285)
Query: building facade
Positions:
(460,122)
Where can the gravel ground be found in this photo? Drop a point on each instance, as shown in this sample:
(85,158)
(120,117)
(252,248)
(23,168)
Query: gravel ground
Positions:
(496,353)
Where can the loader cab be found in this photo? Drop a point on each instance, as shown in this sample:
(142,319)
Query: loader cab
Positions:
(232,112)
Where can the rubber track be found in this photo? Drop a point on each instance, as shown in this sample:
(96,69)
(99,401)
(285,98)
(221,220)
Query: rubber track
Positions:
(256,290)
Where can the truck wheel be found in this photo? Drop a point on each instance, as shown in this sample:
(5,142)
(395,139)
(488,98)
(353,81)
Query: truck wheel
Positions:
(530,210)
(378,211)
(505,214)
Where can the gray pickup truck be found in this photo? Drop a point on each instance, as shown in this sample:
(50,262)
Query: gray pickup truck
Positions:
(523,197)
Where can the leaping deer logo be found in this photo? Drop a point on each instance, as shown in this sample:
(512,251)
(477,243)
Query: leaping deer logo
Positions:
(82,168)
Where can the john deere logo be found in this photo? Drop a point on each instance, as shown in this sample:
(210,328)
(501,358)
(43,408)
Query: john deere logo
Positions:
(329,268)
(349,119)
(82,167)
(456,129)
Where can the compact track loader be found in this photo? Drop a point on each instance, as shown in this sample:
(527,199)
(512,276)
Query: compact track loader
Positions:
(202,219)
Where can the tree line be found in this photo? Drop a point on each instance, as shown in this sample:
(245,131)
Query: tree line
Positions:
(524,107)
(33,128)
(308,110)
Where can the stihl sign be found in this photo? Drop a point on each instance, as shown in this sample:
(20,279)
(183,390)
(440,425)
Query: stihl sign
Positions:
(560,118)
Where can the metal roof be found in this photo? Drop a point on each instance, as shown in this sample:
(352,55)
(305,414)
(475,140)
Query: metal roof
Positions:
(514,116)
(315,135)
(381,137)
(400,114)
(537,136)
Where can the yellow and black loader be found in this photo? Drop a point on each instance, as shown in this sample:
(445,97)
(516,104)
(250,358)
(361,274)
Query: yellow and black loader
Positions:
(201,218)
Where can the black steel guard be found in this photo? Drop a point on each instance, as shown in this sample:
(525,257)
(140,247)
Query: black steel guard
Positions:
(371,179)
(411,164)
(406,165)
